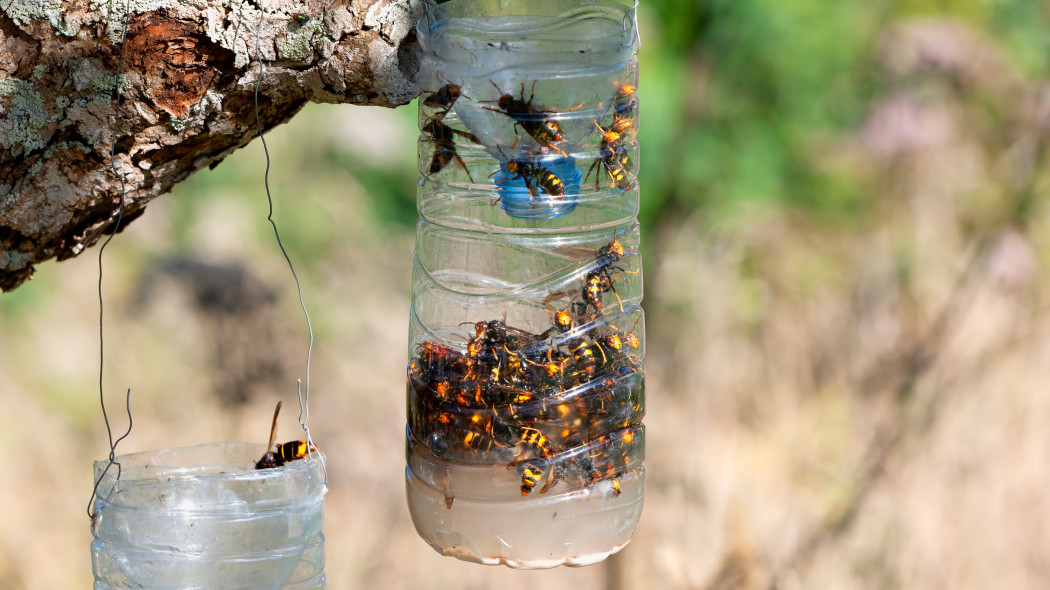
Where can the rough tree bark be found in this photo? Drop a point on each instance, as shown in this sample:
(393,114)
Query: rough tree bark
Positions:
(186,82)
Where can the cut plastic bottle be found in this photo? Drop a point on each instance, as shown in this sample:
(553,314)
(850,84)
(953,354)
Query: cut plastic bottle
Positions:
(204,517)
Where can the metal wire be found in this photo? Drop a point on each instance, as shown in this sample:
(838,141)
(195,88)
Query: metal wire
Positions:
(304,400)
(115,101)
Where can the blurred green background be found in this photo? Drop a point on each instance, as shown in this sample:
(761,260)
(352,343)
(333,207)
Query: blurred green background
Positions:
(844,223)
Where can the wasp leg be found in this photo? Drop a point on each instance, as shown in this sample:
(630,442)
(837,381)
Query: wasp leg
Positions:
(597,177)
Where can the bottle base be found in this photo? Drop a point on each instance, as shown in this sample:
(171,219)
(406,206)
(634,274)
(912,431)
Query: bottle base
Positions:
(576,528)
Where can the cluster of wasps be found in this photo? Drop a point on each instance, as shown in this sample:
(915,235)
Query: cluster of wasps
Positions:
(564,404)
(539,123)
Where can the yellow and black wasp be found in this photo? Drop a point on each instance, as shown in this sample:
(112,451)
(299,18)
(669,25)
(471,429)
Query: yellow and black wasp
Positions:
(614,156)
(626,102)
(563,322)
(536,122)
(286,452)
(443,98)
(550,365)
(595,283)
(485,431)
(533,175)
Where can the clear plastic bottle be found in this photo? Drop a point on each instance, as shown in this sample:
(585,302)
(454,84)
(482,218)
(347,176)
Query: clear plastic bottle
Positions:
(525,381)
(204,517)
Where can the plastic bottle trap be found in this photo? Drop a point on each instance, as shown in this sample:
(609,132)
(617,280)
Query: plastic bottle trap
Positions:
(525,385)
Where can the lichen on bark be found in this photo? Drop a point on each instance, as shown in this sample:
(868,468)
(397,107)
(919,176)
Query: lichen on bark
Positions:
(186,86)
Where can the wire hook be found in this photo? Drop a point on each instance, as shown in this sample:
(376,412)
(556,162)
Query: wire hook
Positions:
(116,227)
(112,454)
(304,402)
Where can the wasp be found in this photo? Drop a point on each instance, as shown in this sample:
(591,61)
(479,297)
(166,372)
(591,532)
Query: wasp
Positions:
(594,284)
(438,360)
(533,472)
(531,475)
(470,394)
(480,351)
(300,18)
(512,366)
(438,130)
(614,156)
(286,452)
(621,127)
(626,102)
(609,254)
(443,98)
(600,281)
(533,443)
(439,420)
(483,432)
(498,333)
(610,340)
(600,278)
(618,171)
(583,356)
(494,332)
(631,339)
(442,388)
(615,348)
(533,175)
(533,121)
(602,464)
(492,343)
(553,367)
(296,449)
(600,399)
(445,147)
(571,425)
(563,322)
(415,372)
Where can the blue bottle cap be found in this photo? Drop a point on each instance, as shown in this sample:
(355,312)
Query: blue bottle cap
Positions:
(517,202)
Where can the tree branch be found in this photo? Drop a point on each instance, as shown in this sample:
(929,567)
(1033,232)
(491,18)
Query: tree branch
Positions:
(186,87)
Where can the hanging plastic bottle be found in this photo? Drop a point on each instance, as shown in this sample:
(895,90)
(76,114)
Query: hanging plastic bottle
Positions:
(204,517)
(525,381)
